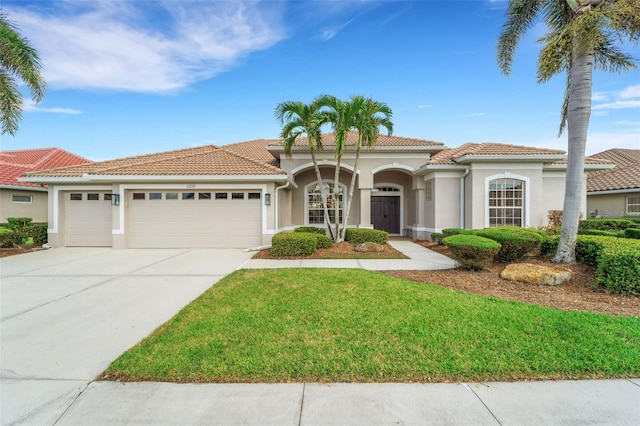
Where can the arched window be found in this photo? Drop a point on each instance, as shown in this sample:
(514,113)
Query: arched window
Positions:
(506,202)
(314,209)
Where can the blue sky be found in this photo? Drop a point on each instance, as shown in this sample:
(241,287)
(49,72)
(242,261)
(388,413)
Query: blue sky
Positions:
(134,77)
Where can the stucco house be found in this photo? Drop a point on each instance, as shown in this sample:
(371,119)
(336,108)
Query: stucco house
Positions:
(615,192)
(240,195)
(29,199)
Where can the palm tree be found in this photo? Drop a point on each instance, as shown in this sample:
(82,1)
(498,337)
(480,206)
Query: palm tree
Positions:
(582,35)
(299,119)
(17,60)
(368,116)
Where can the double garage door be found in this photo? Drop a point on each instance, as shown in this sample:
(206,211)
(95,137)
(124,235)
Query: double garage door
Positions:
(194,219)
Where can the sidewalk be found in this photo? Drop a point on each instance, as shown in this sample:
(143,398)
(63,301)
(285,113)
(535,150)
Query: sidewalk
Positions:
(595,402)
(421,258)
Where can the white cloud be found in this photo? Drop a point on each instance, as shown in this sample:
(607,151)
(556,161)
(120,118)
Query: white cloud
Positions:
(476,114)
(110,45)
(631,92)
(627,98)
(423,106)
(328,33)
(30,107)
(596,141)
(618,105)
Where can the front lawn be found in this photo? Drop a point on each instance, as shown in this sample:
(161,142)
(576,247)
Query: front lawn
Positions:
(321,325)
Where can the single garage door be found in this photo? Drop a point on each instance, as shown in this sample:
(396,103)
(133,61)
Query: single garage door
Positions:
(202,219)
(88,219)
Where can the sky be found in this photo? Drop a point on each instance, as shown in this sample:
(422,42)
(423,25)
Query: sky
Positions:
(141,76)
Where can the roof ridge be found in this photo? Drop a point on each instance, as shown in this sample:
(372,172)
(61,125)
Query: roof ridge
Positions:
(48,155)
(150,160)
(253,160)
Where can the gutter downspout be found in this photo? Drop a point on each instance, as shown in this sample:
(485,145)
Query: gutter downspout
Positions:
(275,202)
(462,206)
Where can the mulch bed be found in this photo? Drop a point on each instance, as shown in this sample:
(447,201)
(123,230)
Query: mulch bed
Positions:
(5,252)
(344,248)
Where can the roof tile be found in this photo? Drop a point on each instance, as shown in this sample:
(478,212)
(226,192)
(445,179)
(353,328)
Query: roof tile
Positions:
(13,164)
(449,156)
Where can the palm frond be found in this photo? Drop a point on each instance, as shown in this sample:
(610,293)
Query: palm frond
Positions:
(10,104)
(520,17)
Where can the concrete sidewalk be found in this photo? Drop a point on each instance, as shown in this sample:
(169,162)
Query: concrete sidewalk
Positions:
(421,259)
(595,402)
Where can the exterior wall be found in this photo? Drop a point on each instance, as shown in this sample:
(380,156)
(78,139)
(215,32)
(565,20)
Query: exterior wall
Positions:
(36,209)
(443,211)
(553,197)
(609,205)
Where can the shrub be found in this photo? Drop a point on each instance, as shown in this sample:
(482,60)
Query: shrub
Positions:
(634,220)
(437,237)
(456,231)
(471,251)
(311,229)
(632,233)
(604,225)
(549,246)
(19,222)
(39,233)
(322,241)
(364,235)
(515,242)
(12,238)
(600,232)
(619,266)
(293,244)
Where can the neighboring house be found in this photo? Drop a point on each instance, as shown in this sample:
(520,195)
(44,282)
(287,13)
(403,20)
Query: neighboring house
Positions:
(27,199)
(615,192)
(240,195)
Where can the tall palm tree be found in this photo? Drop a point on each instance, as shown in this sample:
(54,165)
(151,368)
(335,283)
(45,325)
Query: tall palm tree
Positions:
(17,60)
(299,119)
(582,35)
(368,116)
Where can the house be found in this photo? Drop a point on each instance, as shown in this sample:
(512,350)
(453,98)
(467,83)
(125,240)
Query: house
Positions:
(615,192)
(240,195)
(29,199)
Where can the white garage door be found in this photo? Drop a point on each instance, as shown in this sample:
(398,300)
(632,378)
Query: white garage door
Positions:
(202,219)
(88,219)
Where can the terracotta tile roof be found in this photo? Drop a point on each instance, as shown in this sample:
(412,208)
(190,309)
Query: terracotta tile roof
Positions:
(449,156)
(203,160)
(626,174)
(328,140)
(256,149)
(14,164)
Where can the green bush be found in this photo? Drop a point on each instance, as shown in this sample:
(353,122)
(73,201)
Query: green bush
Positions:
(437,237)
(632,233)
(19,222)
(364,235)
(549,246)
(311,229)
(471,251)
(456,231)
(634,219)
(600,232)
(604,225)
(39,233)
(322,241)
(515,242)
(293,244)
(12,238)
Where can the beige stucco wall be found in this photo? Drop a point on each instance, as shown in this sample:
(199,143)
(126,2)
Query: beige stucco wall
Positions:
(608,205)
(36,209)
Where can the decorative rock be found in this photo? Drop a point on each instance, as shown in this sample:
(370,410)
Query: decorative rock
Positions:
(535,274)
(369,248)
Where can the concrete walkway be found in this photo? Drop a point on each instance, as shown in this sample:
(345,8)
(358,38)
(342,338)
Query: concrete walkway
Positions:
(420,258)
(67,313)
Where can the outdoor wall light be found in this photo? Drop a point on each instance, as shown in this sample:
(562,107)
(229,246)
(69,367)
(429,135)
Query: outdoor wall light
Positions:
(115,199)
(267,199)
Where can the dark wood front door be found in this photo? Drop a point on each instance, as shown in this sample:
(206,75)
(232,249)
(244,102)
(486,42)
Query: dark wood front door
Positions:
(385,214)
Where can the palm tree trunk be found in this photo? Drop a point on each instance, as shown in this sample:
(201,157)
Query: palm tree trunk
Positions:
(578,114)
(336,200)
(352,186)
(316,167)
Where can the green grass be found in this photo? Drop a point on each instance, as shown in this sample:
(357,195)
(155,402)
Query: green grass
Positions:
(320,325)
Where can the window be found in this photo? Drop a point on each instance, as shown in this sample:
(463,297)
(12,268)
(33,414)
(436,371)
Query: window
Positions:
(221,195)
(237,195)
(204,196)
(155,195)
(75,197)
(171,196)
(188,196)
(93,197)
(254,195)
(108,197)
(633,205)
(428,190)
(505,202)
(139,196)
(21,198)
(315,211)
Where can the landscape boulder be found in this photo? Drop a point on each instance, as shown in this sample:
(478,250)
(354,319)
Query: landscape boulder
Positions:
(535,274)
(369,247)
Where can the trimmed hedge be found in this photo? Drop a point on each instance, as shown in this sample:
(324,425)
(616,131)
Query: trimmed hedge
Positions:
(293,244)
(364,235)
(39,233)
(322,241)
(457,231)
(471,251)
(311,229)
(19,222)
(604,225)
(12,238)
(600,232)
(437,237)
(632,233)
(515,242)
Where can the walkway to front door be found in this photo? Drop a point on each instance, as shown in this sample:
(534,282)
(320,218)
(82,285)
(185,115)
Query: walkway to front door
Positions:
(385,214)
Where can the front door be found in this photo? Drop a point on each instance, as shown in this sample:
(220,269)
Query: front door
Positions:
(385,214)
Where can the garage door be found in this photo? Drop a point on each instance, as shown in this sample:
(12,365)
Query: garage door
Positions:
(203,219)
(88,219)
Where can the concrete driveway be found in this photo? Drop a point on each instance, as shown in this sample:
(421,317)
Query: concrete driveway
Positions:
(67,313)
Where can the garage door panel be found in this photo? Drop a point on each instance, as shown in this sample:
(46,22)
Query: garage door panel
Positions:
(186,223)
(87,222)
